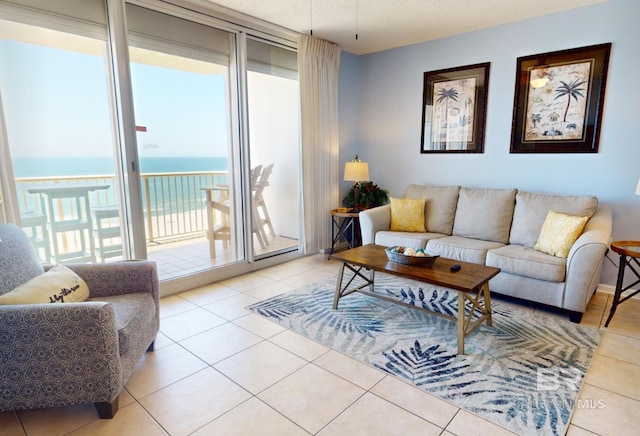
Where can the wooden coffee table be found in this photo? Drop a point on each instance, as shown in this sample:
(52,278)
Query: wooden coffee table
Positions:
(471,279)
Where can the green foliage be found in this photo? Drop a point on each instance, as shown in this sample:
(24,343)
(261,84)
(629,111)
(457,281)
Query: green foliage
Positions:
(369,195)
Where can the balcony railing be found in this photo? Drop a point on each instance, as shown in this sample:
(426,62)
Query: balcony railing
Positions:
(173,203)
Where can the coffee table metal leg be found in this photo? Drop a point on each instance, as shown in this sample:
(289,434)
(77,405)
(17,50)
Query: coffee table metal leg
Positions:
(461,322)
(486,293)
(336,297)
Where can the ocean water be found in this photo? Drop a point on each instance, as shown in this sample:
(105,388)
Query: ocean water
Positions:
(88,166)
(165,197)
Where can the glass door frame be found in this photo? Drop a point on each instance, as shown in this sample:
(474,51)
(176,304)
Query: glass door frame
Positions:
(127,169)
(239,159)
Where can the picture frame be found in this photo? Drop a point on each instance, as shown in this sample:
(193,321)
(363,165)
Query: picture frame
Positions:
(454,109)
(558,100)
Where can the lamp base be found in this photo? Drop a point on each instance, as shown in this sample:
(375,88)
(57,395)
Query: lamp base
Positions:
(356,195)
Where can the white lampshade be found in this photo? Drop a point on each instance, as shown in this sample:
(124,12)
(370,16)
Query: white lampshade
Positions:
(638,188)
(356,171)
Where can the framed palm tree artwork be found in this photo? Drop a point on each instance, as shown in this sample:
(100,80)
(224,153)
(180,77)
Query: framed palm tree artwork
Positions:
(558,101)
(454,109)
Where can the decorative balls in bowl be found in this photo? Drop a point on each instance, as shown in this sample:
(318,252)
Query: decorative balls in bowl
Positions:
(411,256)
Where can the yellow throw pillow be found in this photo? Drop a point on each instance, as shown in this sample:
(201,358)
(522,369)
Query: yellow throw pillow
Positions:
(559,232)
(58,285)
(407,214)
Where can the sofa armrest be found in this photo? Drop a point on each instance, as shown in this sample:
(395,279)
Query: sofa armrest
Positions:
(118,278)
(584,263)
(58,354)
(372,221)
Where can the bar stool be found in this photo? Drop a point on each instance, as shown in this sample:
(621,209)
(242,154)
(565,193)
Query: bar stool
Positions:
(107,221)
(70,223)
(35,225)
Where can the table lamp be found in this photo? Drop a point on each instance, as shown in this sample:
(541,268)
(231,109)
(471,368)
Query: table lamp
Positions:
(356,171)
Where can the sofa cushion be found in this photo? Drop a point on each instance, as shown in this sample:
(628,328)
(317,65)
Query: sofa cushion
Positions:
(559,232)
(440,206)
(465,249)
(58,285)
(531,210)
(484,214)
(18,259)
(134,314)
(527,262)
(407,214)
(388,238)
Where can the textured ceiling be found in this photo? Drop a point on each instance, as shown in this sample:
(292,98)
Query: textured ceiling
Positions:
(385,24)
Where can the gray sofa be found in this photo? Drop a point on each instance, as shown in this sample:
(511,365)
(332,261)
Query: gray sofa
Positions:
(73,353)
(499,227)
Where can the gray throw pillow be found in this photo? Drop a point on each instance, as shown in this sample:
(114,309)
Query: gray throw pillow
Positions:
(485,214)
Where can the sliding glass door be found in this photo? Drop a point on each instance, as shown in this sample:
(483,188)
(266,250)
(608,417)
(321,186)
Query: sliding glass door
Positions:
(273,103)
(181,75)
(56,100)
(216,144)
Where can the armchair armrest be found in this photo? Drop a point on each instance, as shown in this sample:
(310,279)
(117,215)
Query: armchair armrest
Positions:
(58,354)
(372,221)
(584,264)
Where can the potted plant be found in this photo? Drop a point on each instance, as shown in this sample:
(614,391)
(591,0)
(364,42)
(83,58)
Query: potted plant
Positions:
(365,195)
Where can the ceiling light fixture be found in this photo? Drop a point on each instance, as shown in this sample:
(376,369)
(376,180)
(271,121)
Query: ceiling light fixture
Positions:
(539,76)
(311,17)
(357,2)
(539,83)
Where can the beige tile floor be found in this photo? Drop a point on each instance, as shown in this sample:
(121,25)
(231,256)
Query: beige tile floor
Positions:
(220,370)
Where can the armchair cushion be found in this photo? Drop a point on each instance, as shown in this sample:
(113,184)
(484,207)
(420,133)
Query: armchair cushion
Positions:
(135,317)
(58,285)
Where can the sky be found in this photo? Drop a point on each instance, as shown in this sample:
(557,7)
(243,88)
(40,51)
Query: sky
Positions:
(56,103)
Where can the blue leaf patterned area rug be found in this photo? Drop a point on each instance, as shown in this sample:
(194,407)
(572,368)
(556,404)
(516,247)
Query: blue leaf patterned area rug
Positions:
(524,373)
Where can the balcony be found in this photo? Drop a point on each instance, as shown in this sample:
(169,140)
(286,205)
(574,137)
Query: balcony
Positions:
(76,219)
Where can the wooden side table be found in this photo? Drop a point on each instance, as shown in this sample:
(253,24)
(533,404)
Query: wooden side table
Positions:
(629,252)
(346,225)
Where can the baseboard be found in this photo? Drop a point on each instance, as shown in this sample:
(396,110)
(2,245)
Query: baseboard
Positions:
(606,289)
(610,289)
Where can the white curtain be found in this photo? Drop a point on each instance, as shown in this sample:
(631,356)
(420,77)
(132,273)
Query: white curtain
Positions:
(8,199)
(318,68)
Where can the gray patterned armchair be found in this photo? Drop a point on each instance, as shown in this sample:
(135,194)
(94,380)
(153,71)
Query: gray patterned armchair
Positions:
(73,353)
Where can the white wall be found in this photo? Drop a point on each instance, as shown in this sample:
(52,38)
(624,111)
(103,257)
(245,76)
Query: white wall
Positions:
(389,100)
